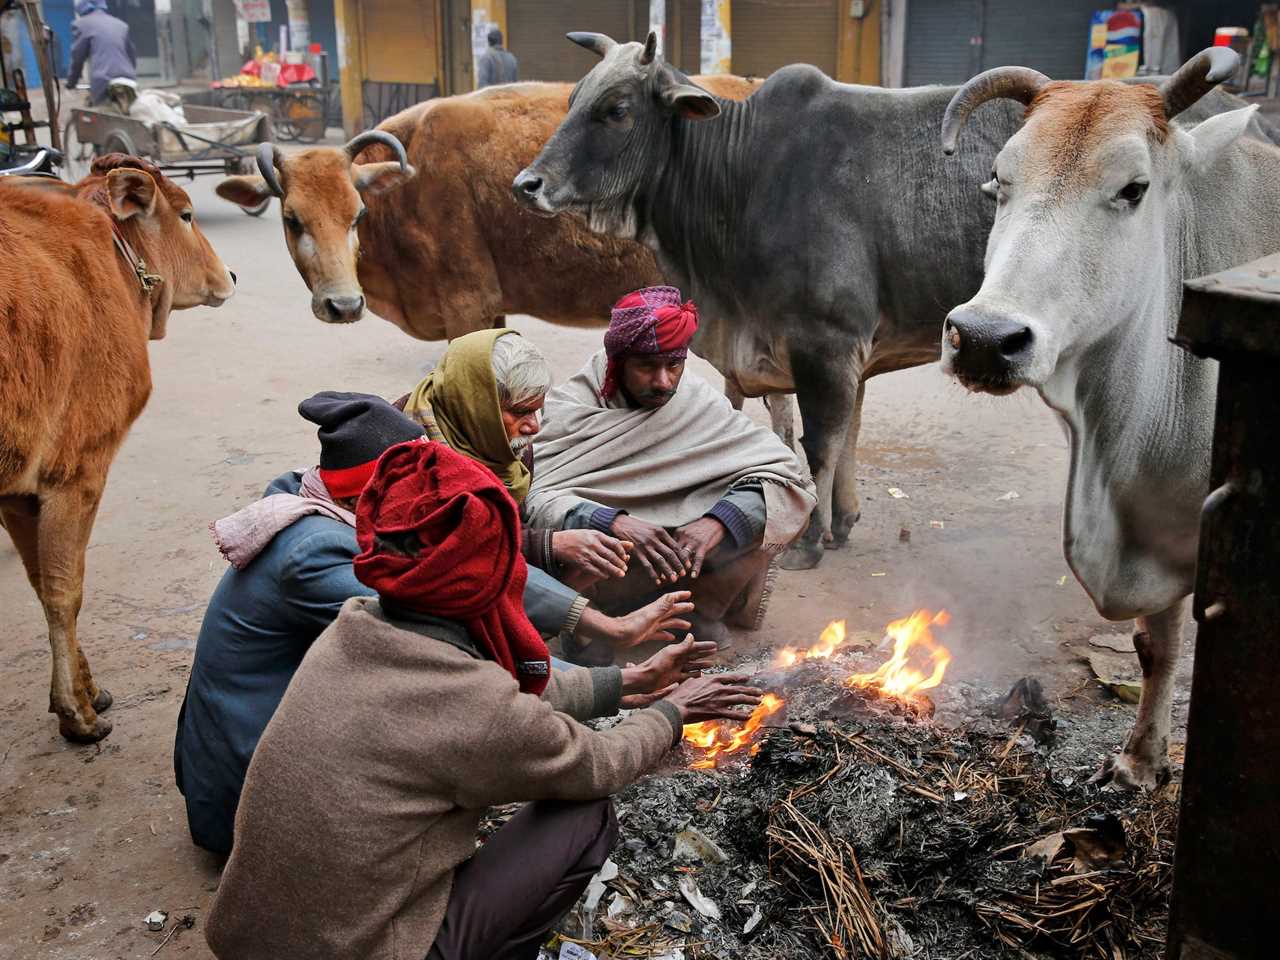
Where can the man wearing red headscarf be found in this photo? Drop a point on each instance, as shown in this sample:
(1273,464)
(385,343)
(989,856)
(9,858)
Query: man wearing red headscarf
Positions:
(635,447)
(412,714)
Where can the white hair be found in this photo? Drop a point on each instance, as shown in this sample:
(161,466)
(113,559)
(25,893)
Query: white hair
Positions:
(520,370)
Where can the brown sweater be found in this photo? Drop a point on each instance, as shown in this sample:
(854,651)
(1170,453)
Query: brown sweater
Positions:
(368,785)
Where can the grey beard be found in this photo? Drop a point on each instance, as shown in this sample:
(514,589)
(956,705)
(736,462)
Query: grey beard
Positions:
(520,444)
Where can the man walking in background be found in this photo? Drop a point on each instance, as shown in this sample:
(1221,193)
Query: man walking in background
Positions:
(102,40)
(496,65)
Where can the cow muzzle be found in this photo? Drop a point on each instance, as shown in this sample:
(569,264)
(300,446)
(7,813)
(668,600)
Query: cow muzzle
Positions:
(338,308)
(530,192)
(987,352)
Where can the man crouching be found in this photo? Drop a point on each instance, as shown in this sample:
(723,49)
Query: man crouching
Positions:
(411,714)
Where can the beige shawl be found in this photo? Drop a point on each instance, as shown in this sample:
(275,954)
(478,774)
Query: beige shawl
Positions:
(668,466)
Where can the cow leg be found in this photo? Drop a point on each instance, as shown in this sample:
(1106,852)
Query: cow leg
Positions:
(62,532)
(735,396)
(846,509)
(1144,761)
(782,417)
(826,392)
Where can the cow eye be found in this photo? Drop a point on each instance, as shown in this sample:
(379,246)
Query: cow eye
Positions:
(293,223)
(618,112)
(187,216)
(1133,192)
(359,216)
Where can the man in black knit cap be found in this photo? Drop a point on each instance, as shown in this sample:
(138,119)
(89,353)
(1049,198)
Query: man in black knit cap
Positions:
(290,573)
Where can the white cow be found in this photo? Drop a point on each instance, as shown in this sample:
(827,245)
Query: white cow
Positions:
(1104,208)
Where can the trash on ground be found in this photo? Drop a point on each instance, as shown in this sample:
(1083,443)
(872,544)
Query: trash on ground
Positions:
(897,494)
(699,902)
(155,920)
(1011,495)
(1119,673)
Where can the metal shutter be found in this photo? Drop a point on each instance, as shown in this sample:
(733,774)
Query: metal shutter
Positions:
(768,34)
(1052,38)
(938,41)
(536,29)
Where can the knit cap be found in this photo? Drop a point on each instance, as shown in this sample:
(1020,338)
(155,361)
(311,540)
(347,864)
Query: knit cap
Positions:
(355,430)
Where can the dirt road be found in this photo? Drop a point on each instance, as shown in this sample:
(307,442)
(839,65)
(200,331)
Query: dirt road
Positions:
(94,838)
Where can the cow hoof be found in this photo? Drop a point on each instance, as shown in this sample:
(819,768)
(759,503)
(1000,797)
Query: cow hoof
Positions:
(1127,772)
(103,701)
(804,555)
(77,733)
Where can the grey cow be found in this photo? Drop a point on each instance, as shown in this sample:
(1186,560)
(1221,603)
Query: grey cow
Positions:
(815,223)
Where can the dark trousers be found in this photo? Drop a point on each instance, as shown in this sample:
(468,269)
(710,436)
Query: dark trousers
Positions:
(508,895)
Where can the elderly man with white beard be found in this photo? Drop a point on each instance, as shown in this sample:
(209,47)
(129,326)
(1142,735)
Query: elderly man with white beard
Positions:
(484,399)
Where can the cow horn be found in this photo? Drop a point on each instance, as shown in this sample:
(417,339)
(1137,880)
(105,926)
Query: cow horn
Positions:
(597,43)
(1196,77)
(269,158)
(362,140)
(1013,83)
(650,49)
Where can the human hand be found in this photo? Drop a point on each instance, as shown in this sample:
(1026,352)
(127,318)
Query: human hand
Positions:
(720,696)
(590,553)
(660,674)
(698,539)
(658,552)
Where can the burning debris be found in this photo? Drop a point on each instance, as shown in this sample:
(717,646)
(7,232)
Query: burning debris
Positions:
(877,833)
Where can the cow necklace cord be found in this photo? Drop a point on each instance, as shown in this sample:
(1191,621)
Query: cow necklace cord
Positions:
(148,281)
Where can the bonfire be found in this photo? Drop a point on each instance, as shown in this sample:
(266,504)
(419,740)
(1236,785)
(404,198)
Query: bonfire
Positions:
(841,821)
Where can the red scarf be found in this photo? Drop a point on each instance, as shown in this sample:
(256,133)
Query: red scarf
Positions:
(465,530)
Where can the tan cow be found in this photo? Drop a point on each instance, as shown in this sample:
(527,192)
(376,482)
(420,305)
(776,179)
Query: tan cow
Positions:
(88,274)
(450,251)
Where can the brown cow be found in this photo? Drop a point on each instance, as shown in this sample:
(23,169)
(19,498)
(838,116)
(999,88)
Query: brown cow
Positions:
(87,275)
(449,252)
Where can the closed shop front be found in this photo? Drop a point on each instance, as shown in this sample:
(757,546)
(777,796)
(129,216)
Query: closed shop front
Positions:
(536,29)
(768,34)
(948,41)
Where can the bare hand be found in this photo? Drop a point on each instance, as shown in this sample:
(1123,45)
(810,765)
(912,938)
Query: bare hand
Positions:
(590,553)
(699,538)
(658,552)
(720,696)
(660,674)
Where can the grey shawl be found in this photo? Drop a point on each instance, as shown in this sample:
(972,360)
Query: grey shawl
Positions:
(668,466)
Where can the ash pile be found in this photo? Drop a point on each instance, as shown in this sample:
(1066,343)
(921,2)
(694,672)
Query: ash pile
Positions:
(859,827)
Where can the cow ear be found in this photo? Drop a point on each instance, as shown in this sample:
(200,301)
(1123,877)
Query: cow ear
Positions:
(244,191)
(1214,135)
(372,179)
(131,193)
(690,102)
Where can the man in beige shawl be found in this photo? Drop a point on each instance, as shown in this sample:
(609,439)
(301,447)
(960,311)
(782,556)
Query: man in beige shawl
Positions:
(633,447)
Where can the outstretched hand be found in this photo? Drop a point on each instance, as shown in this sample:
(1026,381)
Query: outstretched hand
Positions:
(720,696)
(659,676)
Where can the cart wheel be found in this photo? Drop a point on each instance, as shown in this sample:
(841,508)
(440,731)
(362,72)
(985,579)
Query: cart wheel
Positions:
(118,141)
(259,210)
(305,115)
(79,155)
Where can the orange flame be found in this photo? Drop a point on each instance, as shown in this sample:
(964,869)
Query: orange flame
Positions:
(713,737)
(831,639)
(897,676)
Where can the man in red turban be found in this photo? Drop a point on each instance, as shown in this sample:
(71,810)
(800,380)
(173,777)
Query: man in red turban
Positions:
(414,712)
(635,448)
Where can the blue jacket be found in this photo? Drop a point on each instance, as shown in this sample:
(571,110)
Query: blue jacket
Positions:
(259,624)
(103,40)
